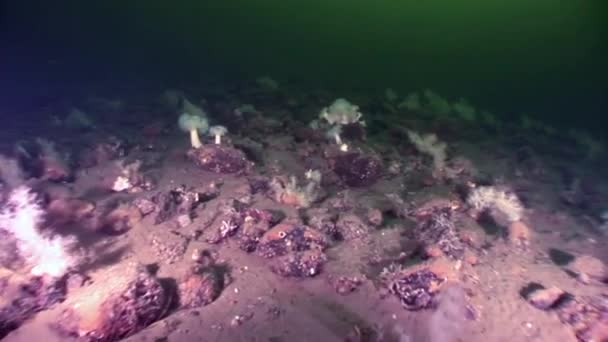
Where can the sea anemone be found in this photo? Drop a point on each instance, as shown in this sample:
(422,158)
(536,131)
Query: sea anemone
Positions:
(193,124)
(218,132)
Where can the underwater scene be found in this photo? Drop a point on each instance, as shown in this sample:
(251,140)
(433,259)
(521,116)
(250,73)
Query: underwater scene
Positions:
(407,171)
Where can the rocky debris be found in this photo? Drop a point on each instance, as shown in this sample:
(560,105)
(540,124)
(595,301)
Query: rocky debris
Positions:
(287,238)
(438,235)
(299,264)
(220,159)
(21,298)
(356,169)
(587,268)
(168,246)
(345,285)
(351,226)
(181,201)
(126,301)
(546,299)
(417,286)
(199,287)
(588,317)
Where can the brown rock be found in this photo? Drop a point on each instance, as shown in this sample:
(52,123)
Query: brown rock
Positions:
(199,288)
(68,210)
(125,301)
(220,159)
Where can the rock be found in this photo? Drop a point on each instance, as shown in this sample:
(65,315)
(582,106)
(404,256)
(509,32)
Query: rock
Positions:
(184,220)
(127,300)
(299,264)
(356,169)
(437,233)
(199,287)
(178,201)
(545,299)
(145,206)
(220,159)
(69,210)
(323,220)
(345,285)
(375,217)
(121,219)
(587,267)
(351,227)
(255,223)
(415,288)
(588,317)
(286,238)
(22,297)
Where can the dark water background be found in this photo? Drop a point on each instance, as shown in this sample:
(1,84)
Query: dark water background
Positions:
(545,58)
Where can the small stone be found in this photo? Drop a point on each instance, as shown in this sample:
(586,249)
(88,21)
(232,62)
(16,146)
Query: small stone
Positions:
(145,206)
(588,267)
(184,220)
(470,258)
(375,217)
(583,278)
(546,298)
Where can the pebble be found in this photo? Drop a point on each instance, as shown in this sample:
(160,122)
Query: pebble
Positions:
(546,298)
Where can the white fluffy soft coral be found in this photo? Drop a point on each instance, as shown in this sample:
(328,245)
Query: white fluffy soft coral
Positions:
(341,112)
(496,200)
(44,255)
(429,144)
